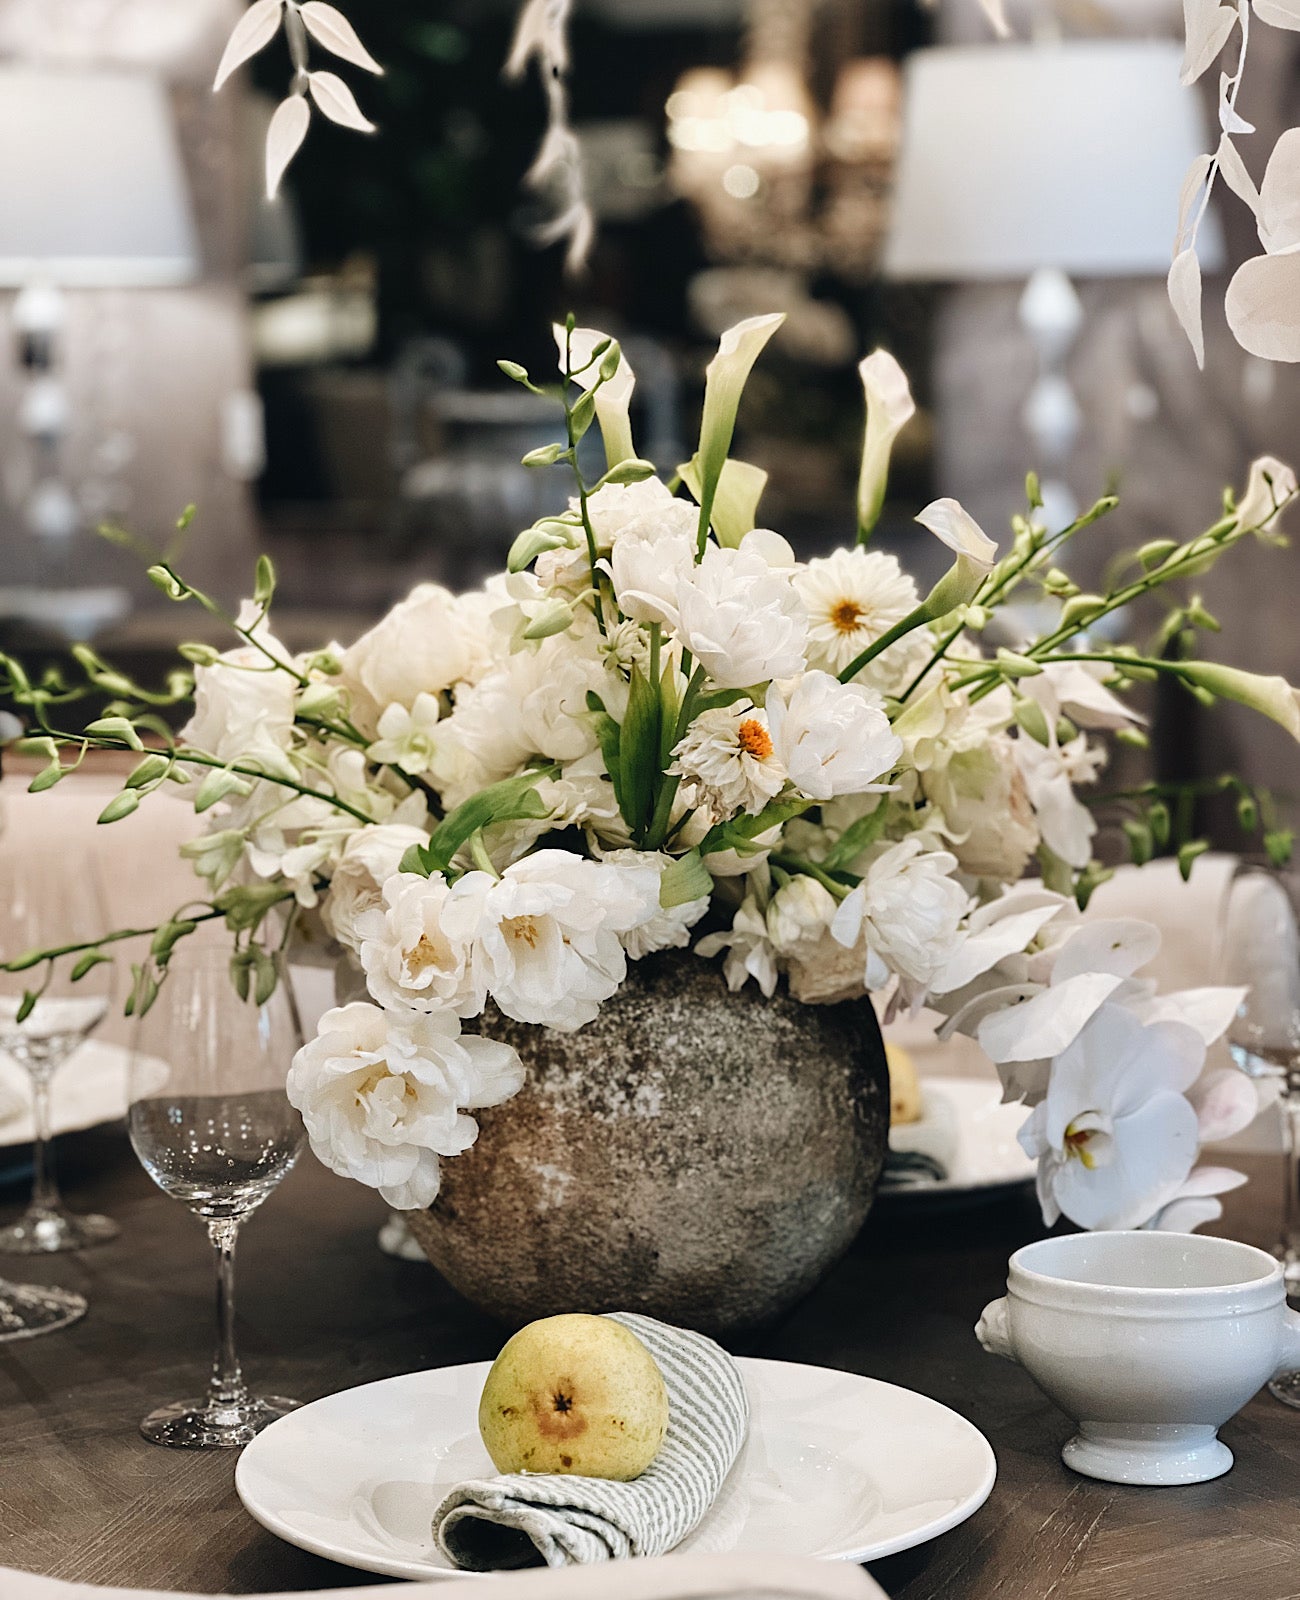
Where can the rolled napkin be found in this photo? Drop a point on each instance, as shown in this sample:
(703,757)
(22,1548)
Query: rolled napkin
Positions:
(519,1519)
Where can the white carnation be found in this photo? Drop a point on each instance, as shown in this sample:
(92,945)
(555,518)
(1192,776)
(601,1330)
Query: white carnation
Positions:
(832,738)
(907,911)
(728,757)
(384,1097)
(741,618)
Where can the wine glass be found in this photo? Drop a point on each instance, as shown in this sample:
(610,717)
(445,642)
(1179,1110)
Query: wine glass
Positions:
(1260,948)
(50,899)
(212,1125)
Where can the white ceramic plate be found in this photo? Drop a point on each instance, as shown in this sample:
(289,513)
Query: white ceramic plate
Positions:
(965,1126)
(88,1089)
(836,1466)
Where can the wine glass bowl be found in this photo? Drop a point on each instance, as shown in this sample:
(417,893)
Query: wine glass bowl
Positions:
(211,1123)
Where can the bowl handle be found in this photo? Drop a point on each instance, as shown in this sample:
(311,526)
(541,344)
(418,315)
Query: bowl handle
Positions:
(993,1330)
(1289,1359)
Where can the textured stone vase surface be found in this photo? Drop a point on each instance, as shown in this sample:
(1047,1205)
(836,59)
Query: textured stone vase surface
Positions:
(698,1155)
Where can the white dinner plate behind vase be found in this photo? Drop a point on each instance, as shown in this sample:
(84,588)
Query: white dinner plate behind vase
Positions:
(836,1466)
(1149,1341)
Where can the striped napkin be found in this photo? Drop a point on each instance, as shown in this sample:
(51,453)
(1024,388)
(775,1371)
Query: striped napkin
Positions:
(522,1519)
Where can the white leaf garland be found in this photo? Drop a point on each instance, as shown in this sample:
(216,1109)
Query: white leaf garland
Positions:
(284,139)
(330,28)
(253,32)
(1279,197)
(1279,13)
(338,102)
(1191,196)
(1235,175)
(1185,297)
(1261,307)
(1207,25)
(995,11)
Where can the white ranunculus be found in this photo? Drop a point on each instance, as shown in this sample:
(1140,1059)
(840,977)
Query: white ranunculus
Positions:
(749,949)
(548,935)
(907,911)
(1050,773)
(425,645)
(799,914)
(670,927)
(852,597)
(244,705)
(728,757)
(408,739)
(647,571)
(370,858)
(832,738)
(646,510)
(415,956)
(987,815)
(384,1097)
(1116,1136)
(741,619)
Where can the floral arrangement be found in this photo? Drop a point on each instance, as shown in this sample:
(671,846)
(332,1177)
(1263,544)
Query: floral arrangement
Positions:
(659,729)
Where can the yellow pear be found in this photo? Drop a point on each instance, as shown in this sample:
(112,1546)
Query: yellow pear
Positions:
(574,1394)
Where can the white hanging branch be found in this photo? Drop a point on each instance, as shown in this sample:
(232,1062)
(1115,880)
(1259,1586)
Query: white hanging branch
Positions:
(303,21)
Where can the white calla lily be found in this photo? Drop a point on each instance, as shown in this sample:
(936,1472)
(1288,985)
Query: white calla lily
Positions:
(890,408)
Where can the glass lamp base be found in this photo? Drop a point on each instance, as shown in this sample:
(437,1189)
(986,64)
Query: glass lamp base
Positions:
(27,1310)
(1287,1389)
(40,1233)
(204,1425)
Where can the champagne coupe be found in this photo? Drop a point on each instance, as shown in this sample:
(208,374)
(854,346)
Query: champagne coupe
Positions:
(50,899)
(1260,948)
(212,1125)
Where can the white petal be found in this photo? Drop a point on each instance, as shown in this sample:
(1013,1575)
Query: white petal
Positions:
(985,949)
(1120,945)
(1208,25)
(1230,119)
(1235,174)
(1225,1101)
(1279,13)
(728,372)
(1185,1216)
(284,139)
(1045,1025)
(253,32)
(1193,184)
(995,11)
(1209,1011)
(329,27)
(954,526)
(1263,307)
(337,101)
(1185,297)
(1279,197)
(1204,1181)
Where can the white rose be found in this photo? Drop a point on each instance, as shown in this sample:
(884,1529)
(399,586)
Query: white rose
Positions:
(985,804)
(412,953)
(908,911)
(741,619)
(831,737)
(370,857)
(425,645)
(548,935)
(383,1097)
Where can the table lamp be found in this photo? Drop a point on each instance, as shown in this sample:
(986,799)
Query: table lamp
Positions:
(92,196)
(1041,161)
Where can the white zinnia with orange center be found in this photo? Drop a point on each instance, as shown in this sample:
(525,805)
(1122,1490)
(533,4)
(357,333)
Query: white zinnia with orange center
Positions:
(851,597)
(729,759)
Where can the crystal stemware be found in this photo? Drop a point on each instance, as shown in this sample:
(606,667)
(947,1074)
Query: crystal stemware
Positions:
(213,1127)
(1260,950)
(50,899)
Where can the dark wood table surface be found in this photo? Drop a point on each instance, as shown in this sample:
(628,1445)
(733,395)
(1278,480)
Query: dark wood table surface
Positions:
(83,1496)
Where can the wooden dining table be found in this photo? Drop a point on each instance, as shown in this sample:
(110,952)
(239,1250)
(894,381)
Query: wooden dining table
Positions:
(83,1496)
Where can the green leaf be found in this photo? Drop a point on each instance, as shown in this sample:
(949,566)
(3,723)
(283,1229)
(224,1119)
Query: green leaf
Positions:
(609,734)
(116,728)
(121,805)
(638,752)
(741,833)
(150,770)
(684,880)
(264,581)
(88,963)
(217,785)
(1187,856)
(413,861)
(511,800)
(735,501)
(856,838)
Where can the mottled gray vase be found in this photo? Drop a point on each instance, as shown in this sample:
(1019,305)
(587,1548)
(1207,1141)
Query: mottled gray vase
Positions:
(698,1155)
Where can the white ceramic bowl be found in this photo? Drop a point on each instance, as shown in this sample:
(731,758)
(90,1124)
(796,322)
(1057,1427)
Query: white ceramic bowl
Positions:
(1152,1341)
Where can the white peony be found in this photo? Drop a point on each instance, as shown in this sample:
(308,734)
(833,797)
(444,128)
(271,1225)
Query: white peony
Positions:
(987,816)
(832,738)
(646,510)
(408,739)
(741,619)
(750,952)
(852,597)
(1116,1136)
(370,857)
(416,957)
(425,645)
(647,572)
(907,911)
(728,758)
(548,935)
(384,1097)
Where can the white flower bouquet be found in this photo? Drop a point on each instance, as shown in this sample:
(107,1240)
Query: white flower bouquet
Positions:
(658,729)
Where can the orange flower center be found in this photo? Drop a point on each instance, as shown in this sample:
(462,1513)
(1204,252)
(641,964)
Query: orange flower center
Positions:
(755,740)
(847,616)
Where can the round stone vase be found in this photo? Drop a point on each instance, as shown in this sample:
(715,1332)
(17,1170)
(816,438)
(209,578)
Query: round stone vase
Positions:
(694,1154)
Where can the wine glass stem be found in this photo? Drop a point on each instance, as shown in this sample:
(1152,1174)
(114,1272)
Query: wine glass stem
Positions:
(1291,1171)
(45,1188)
(227,1386)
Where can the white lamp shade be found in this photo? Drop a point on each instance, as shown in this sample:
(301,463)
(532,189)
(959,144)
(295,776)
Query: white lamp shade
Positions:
(1066,155)
(92,191)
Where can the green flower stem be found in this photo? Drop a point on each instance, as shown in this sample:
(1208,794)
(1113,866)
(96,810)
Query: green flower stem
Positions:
(33,958)
(657,832)
(583,493)
(909,624)
(809,869)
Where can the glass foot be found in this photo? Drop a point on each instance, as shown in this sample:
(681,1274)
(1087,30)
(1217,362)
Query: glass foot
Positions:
(40,1233)
(1286,1389)
(204,1425)
(27,1310)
